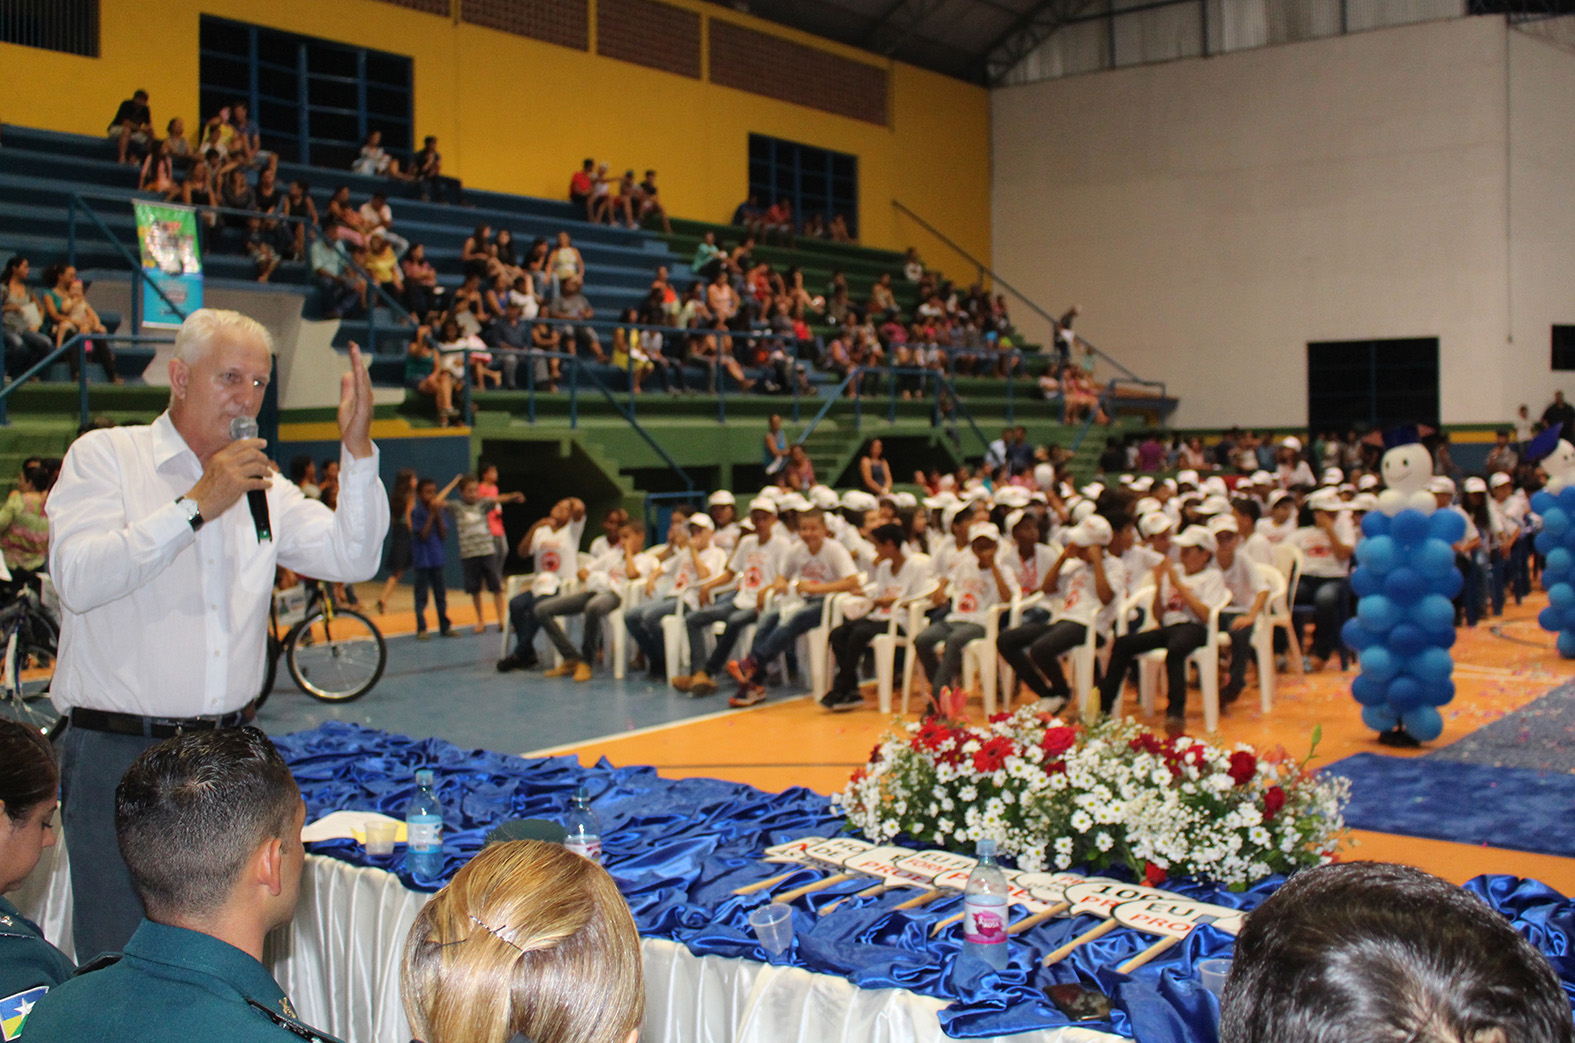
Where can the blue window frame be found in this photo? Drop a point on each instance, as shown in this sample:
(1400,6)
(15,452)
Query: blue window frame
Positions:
(314,101)
(814,180)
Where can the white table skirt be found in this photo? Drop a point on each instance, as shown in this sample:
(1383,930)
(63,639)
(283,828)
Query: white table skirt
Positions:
(339,963)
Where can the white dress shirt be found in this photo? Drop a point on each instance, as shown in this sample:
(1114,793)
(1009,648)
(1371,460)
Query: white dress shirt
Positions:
(160,621)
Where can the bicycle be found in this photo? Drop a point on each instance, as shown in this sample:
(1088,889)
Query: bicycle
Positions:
(32,636)
(333,653)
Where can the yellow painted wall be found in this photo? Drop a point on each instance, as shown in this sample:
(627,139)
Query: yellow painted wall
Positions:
(516,115)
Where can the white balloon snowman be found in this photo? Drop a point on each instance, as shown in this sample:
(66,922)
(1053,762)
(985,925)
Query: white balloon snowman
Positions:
(1559,466)
(1407,469)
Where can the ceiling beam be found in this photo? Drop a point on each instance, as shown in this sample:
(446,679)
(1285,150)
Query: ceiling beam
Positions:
(1034,28)
(897,23)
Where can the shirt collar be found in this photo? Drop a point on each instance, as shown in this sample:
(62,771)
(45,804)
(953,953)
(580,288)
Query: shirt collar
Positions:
(168,444)
(198,953)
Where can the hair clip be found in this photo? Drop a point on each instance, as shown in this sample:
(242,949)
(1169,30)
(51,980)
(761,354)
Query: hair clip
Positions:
(498,934)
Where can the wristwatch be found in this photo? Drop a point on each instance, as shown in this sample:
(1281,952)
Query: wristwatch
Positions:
(193,511)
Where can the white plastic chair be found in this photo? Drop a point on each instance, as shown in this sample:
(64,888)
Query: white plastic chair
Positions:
(1288,562)
(982,660)
(1141,598)
(675,635)
(1206,657)
(1276,608)
(905,617)
(817,641)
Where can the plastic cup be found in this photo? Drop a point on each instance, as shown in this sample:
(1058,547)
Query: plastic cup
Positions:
(773,925)
(1212,975)
(380,837)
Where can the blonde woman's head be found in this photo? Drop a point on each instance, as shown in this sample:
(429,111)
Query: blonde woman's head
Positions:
(528,938)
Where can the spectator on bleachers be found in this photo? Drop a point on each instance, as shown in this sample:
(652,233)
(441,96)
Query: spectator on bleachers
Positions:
(571,304)
(623,201)
(454,340)
(298,204)
(838,230)
(523,293)
(629,357)
(267,196)
(565,263)
(778,220)
(799,474)
(198,191)
(912,267)
(747,214)
(814,227)
(343,215)
(131,130)
(580,184)
(721,299)
(259,246)
(25,342)
(509,337)
(883,303)
(176,147)
(426,168)
(342,290)
(246,143)
(545,338)
(237,193)
(158,172)
(377,217)
(708,258)
(374,161)
(216,137)
(382,264)
(600,206)
(714,350)
(68,313)
(476,254)
(537,267)
(467,306)
(648,202)
(421,286)
(506,257)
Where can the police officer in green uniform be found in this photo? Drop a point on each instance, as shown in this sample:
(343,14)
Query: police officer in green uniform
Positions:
(29,780)
(209,824)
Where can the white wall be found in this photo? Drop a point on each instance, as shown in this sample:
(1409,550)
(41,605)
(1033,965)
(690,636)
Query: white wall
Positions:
(1213,216)
(1541,215)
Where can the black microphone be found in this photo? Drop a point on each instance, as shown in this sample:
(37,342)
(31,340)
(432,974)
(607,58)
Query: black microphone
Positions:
(246,427)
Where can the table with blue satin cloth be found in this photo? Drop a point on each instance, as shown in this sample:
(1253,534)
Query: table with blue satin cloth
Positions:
(678,848)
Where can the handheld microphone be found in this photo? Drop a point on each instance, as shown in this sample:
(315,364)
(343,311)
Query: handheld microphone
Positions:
(256,499)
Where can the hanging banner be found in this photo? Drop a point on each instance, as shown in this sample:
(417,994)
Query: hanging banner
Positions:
(170,262)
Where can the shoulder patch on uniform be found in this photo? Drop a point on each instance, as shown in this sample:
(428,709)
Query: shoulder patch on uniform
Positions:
(291,1025)
(15,1009)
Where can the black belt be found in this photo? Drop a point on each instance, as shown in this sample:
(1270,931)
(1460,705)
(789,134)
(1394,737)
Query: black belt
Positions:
(157,727)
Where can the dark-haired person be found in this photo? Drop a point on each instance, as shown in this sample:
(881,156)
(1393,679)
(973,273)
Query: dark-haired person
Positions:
(165,584)
(209,824)
(1365,951)
(29,780)
(898,577)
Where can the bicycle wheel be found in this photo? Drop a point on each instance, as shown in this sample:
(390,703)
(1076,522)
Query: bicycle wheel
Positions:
(270,669)
(336,659)
(24,680)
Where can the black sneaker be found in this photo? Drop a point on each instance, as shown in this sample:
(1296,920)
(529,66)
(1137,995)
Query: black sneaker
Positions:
(509,663)
(1229,694)
(842,702)
(1400,738)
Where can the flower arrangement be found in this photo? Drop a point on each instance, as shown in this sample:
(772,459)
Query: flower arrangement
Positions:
(1057,795)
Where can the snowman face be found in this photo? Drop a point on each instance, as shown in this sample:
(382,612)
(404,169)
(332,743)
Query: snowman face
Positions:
(1407,468)
(1561,462)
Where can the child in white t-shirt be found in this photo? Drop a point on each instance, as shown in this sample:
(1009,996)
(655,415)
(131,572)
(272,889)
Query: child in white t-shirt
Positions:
(681,576)
(898,577)
(977,584)
(755,564)
(554,543)
(601,582)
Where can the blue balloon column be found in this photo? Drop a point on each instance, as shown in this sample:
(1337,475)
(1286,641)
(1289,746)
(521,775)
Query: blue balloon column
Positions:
(1405,621)
(1556,543)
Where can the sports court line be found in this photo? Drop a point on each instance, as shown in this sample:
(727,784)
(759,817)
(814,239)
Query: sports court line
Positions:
(551,751)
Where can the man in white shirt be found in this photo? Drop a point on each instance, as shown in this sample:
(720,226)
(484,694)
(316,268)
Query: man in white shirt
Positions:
(680,577)
(813,569)
(165,580)
(1251,542)
(554,544)
(1249,593)
(1183,598)
(377,217)
(600,582)
(756,563)
(898,577)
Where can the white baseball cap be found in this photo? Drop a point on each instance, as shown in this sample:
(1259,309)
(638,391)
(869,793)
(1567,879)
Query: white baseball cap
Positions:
(1038,497)
(1364,502)
(1214,505)
(1367,481)
(1196,536)
(1012,496)
(773,493)
(1092,531)
(1224,523)
(944,498)
(1154,523)
(950,514)
(1082,509)
(1092,490)
(1499,478)
(1277,496)
(1143,484)
(1333,476)
(720,498)
(1125,479)
(1476,485)
(1442,484)
(1169,483)
(1261,478)
(822,496)
(760,503)
(1292,443)
(1016,518)
(1188,477)
(984,531)
(859,500)
(1145,505)
(1214,485)
(1326,499)
(701,521)
(794,502)
(906,501)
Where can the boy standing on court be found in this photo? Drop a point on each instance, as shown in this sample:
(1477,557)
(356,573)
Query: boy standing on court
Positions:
(428,556)
(478,551)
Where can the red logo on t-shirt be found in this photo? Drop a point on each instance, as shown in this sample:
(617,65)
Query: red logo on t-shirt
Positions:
(550,560)
(967,603)
(752,577)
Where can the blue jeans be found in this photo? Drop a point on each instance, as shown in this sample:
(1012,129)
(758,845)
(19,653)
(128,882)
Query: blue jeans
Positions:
(644,623)
(522,617)
(700,621)
(776,635)
(956,634)
(432,579)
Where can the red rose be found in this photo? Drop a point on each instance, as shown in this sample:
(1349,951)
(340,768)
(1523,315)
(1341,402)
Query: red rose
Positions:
(1153,875)
(1148,742)
(1273,801)
(1056,768)
(1058,740)
(1243,766)
(992,754)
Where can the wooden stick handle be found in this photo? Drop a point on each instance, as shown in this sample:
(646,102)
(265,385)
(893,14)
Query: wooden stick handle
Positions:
(924,899)
(942,925)
(877,889)
(1038,918)
(770,881)
(799,892)
(1147,954)
(1089,935)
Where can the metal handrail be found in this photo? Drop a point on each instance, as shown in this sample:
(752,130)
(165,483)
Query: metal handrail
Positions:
(576,367)
(8,388)
(1100,406)
(985,269)
(937,414)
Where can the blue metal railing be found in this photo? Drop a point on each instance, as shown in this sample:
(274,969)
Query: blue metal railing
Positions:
(940,412)
(7,388)
(1103,403)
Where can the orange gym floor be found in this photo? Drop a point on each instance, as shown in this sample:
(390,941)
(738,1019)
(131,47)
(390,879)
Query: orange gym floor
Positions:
(795,742)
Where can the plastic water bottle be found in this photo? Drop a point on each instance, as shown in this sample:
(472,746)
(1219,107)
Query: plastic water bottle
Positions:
(584,832)
(424,829)
(984,909)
